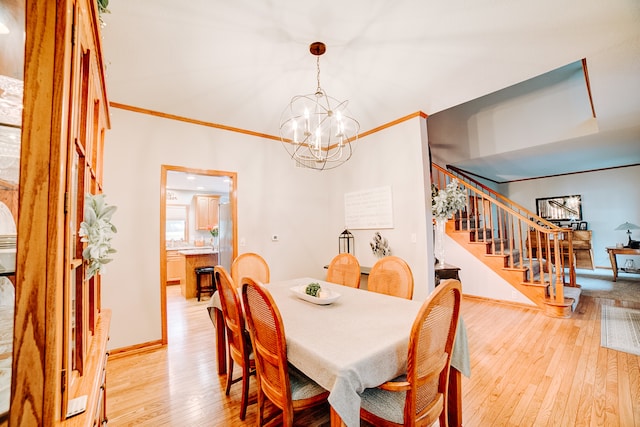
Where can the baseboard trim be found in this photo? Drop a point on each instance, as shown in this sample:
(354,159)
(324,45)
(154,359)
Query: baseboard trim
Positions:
(500,301)
(135,349)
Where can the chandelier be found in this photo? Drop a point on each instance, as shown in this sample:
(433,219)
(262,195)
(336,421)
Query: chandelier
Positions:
(316,129)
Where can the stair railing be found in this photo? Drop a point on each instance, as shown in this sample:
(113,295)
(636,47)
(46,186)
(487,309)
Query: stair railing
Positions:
(538,248)
(470,181)
(567,233)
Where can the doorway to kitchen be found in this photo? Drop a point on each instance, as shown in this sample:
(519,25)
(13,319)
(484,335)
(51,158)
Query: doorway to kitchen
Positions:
(193,202)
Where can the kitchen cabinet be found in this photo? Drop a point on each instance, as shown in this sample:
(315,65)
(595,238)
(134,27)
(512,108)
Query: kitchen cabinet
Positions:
(206,211)
(175,267)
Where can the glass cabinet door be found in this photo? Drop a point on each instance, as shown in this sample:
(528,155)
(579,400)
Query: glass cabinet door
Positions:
(12,27)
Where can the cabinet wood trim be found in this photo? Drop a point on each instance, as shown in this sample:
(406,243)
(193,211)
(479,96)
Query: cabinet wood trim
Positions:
(92,382)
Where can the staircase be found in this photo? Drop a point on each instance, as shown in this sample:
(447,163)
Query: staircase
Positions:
(533,255)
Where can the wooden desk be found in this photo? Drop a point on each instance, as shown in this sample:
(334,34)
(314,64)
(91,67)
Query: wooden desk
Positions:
(613,251)
(581,243)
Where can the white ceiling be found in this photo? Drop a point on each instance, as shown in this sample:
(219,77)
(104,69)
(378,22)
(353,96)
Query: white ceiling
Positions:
(238,63)
(184,181)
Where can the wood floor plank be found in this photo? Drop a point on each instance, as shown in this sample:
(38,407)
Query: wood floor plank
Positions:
(624,391)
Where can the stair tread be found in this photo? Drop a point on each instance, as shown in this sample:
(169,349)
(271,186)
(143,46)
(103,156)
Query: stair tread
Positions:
(572,292)
(567,302)
(535,285)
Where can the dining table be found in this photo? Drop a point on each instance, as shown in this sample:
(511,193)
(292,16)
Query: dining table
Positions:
(358,341)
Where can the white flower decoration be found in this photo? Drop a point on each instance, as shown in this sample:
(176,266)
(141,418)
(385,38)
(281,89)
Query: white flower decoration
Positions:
(445,202)
(97,230)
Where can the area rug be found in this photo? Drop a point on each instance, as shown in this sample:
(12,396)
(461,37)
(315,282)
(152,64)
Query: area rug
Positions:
(600,284)
(620,329)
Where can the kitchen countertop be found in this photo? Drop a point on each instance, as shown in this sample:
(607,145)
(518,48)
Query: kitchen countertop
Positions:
(186,246)
(197,251)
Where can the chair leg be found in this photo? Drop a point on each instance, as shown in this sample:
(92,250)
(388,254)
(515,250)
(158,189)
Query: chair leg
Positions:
(198,285)
(245,391)
(260,406)
(229,374)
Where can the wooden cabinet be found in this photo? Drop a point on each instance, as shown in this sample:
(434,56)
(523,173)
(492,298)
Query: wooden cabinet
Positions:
(175,267)
(207,211)
(582,249)
(64,121)
(580,240)
(193,261)
(447,271)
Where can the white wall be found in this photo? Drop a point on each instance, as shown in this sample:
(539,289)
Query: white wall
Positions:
(548,108)
(609,198)
(273,198)
(477,278)
(303,207)
(393,157)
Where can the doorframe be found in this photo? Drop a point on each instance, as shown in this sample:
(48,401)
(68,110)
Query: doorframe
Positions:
(163,203)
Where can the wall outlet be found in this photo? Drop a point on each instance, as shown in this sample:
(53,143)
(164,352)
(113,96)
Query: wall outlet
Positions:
(514,295)
(414,238)
(243,241)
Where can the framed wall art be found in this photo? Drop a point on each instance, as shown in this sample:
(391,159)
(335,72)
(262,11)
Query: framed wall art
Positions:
(560,208)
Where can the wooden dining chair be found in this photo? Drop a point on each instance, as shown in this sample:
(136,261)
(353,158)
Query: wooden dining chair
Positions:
(238,341)
(282,384)
(419,398)
(344,269)
(392,276)
(250,265)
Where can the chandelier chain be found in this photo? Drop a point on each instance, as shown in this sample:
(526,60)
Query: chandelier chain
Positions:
(319,90)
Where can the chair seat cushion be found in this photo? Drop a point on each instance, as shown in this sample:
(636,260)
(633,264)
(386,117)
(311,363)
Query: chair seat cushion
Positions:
(388,405)
(302,387)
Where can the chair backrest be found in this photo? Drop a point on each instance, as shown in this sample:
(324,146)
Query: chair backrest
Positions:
(232,313)
(250,265)
(430,346)
(392,276)
(344,269)
(269,345)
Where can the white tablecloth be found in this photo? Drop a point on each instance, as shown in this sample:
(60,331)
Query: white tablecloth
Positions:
(360,341)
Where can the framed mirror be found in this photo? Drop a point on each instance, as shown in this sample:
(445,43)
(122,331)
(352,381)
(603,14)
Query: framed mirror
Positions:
(560,208)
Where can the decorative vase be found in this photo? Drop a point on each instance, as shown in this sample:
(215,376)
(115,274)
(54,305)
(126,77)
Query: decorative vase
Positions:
(438,244)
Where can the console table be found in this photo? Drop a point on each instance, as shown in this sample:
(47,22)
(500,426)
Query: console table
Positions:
(446,271)
(613,251)
(442,272)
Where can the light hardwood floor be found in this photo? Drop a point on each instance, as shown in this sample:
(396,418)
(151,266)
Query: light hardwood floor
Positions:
(527,369)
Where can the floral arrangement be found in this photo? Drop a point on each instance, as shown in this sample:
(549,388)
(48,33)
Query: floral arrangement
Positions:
(97,230)
(380,246)
(213,230)
(447,201)
(103,6)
